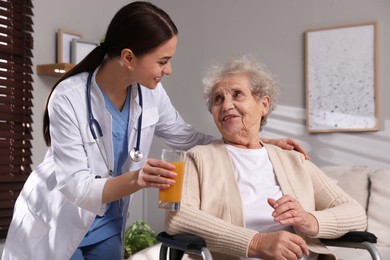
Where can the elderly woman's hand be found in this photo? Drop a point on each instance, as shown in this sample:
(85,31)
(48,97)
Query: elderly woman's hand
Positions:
(278,245)
(288,211)
(287,144)
(157,174)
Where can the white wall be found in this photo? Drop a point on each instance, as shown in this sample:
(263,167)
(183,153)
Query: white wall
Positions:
(211,30)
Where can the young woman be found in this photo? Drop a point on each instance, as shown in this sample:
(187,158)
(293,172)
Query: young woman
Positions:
(99,122)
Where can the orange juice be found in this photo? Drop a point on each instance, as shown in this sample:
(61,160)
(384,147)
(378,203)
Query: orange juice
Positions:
(173,193)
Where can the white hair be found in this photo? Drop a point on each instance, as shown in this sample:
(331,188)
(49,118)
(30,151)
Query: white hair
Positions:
(262,81)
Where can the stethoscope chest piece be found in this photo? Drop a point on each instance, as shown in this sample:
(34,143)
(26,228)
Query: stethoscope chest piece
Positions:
(136,155)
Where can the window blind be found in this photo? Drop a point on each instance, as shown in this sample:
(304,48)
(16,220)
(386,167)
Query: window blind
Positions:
(16,45)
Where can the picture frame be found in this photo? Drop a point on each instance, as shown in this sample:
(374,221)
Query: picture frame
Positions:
(342,78)
(64,41)
(80,49)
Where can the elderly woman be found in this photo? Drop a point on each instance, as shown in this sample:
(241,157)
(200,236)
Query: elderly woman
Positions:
(248,199)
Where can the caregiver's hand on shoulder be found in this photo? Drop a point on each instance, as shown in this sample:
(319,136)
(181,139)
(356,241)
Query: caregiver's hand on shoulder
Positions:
(277,245)
(157,174)
(287,144)
(288,211)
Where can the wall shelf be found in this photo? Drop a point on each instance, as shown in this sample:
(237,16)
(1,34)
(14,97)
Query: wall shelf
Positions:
(54,70)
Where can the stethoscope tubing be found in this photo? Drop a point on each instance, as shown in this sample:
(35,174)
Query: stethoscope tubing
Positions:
(91,120)
(138,143)
(135,153)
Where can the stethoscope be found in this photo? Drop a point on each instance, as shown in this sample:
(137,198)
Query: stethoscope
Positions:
(135,153)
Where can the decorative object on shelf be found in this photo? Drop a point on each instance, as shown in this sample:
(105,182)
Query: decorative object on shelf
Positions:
(64,40)
(341,78)
(80,49)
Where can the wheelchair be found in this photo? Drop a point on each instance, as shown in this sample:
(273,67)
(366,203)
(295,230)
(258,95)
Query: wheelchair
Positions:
(188,243)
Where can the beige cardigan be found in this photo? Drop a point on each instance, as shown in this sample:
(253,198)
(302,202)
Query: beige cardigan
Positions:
(211,205)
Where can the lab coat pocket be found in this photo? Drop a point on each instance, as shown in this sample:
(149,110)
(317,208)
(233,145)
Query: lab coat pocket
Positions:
(30,231)
(86,135)
(89,142)
(150,117)
(91,148)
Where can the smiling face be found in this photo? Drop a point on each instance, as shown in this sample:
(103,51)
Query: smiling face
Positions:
(236,112)
(150,68)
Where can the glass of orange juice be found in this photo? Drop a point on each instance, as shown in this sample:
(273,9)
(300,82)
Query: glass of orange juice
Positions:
(169,199)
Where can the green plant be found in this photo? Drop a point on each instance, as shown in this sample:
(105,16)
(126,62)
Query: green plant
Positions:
(137,237)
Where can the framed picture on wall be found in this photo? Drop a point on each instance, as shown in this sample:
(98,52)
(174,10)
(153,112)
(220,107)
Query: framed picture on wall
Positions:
(80,49)
(341,78)
(64,41)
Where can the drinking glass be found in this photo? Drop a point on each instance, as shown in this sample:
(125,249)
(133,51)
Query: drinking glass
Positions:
(169,199)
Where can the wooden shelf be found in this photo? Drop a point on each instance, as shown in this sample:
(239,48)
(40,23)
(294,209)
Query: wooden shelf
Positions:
(54,70)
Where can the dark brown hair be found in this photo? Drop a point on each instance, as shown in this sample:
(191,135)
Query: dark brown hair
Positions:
(139,26)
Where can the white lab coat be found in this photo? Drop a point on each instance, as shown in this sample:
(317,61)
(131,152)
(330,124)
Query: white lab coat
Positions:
(61,197)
